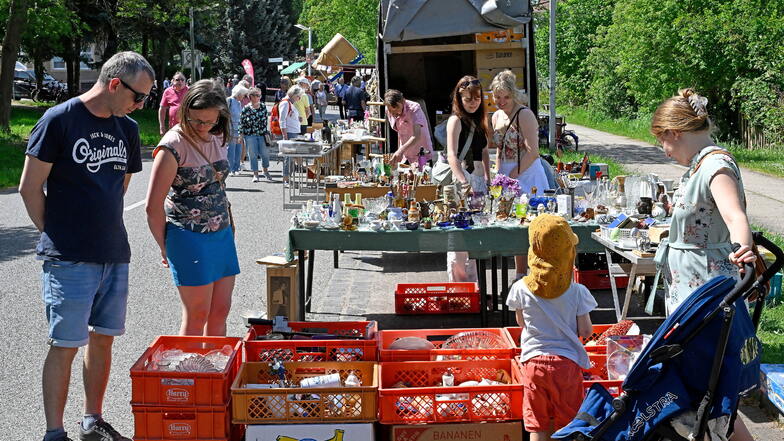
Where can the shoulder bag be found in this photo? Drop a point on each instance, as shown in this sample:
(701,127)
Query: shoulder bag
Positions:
(442,172)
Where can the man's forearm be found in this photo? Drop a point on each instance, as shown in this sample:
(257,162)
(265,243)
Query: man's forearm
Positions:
(162,117)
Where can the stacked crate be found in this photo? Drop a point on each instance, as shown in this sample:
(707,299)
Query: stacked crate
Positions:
(172,405)
(509,53)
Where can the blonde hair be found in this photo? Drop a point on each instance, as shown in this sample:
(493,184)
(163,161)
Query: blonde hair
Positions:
(507,81)
(685,112)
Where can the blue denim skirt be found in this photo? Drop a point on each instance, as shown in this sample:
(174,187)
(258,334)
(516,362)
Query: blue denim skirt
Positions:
(197,259)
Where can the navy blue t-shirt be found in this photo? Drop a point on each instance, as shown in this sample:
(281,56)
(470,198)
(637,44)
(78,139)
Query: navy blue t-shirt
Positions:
(90,157)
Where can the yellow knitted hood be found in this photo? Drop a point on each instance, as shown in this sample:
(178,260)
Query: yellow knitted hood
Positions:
(551,253)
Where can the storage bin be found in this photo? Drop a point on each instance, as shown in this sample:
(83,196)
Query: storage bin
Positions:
(437,337)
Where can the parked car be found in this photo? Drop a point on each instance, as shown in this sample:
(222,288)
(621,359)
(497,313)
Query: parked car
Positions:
(24,84)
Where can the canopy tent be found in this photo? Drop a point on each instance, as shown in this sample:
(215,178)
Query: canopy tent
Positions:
(338,51)
(293,68)
(403,20)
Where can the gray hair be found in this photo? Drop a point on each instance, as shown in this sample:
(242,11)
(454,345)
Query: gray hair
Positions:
(356,81)
(238,90)
(295,91)
(125,65)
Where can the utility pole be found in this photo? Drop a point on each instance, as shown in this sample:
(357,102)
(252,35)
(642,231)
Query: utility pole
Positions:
(551,127)
(193,47)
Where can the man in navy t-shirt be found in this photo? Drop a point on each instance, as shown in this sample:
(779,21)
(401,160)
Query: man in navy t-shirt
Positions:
(84,151)
(355,99)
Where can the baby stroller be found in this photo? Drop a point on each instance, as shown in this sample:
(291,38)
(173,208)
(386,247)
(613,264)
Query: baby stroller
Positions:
(692,372)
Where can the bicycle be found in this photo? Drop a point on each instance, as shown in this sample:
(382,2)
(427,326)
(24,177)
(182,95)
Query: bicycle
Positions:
(565,140)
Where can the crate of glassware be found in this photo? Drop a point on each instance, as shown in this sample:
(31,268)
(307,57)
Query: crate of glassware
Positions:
(449,344)
(305,392)
(186,371)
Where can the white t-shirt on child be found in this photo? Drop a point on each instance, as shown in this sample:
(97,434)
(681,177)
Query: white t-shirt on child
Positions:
(551,324)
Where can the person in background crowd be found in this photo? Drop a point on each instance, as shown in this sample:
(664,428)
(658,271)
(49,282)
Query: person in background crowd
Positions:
(285,83)
(166,83)
(255,135)
(248,79)
(170,102)
(356,99)
(409,121)
(290,123)
(189,214)
(235,143)
(554,312)
(340,92)
(516,137)
(364,82)
(303,105)
(305,85)
(470,169)
(321,101)
(84,151)
(246,84)
(709,208)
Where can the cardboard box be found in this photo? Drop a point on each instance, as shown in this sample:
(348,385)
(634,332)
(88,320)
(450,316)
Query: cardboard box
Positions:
(320,432)
(500,58)
(486,76)
(512,431)
(772,384)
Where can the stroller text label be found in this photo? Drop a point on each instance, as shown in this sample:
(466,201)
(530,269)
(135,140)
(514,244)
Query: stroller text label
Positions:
(651,411)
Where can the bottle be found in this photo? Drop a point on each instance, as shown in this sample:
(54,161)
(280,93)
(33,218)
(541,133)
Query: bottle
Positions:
(390,199)
(448,379)
(352,380)
(413,212)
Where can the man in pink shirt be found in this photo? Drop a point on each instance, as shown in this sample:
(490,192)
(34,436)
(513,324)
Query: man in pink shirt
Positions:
(170,102)
(413,131)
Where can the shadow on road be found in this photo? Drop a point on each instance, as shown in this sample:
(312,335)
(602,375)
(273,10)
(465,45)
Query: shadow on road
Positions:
(17,242)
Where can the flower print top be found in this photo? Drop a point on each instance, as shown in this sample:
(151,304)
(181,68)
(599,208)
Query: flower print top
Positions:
(509,140)
(197,200)
(699,241)
(254,121)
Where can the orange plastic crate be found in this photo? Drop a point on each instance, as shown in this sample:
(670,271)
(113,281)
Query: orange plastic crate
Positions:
(424,402)
(437,298)
(599,369)
(437,337)
(514,333)
(156,388)
(315,350)
(184,423)
(287,405)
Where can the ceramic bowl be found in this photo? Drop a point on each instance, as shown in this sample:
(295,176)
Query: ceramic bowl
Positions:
(397,223)
(311,224)
(377,225)
(412,225)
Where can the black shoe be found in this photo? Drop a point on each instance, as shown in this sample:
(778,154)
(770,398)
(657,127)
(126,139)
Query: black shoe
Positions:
(101,431)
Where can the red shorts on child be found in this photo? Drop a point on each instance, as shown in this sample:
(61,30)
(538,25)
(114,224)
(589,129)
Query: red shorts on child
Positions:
(552,392)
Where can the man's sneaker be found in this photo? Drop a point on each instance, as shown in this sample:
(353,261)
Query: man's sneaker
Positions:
(101,431)
(64,438)
(268,176)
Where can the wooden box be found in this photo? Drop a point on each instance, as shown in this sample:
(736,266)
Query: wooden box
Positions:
(500,58)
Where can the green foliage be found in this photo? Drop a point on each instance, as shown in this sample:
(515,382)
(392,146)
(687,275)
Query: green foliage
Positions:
(356,20)
(636,128)
(771,333)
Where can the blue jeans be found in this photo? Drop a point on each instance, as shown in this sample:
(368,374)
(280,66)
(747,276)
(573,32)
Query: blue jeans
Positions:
(235,150)
(257,146)
(81,297)
(286,159)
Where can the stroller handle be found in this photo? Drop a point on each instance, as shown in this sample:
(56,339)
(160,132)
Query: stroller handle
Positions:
(748,284)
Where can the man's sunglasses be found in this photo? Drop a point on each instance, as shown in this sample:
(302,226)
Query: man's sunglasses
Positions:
(138,97)
(465,84)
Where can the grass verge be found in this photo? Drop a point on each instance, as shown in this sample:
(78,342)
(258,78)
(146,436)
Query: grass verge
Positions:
(768,161)
(771,329)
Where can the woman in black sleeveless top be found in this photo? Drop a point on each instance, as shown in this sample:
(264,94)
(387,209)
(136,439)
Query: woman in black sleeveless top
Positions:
(468,157)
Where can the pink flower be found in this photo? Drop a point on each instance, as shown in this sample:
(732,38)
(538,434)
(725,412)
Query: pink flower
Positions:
(214,223)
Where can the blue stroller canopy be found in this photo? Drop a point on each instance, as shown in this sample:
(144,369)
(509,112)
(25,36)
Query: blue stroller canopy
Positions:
(662,390)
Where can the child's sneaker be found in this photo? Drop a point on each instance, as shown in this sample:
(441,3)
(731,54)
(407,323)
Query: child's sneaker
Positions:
(101,431)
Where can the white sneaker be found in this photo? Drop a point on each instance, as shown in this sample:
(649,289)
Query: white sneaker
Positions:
(286,184)
(255,179)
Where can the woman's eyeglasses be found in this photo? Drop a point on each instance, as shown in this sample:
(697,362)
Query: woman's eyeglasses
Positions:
(465,84)
(199,122)
(137,96)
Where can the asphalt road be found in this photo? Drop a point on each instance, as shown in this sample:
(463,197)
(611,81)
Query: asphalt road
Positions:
(154,305)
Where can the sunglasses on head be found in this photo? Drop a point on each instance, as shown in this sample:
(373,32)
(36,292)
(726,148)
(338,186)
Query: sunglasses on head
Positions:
(137,96)
(467,83)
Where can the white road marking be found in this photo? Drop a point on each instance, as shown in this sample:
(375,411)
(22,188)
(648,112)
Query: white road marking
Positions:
(132,206)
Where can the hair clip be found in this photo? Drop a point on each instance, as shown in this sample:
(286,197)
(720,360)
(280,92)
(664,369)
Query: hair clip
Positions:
(698,103)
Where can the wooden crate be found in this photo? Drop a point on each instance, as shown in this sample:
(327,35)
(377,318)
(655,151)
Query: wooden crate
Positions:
(500,58)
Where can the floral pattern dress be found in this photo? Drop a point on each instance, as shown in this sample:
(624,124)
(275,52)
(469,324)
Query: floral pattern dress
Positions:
(197,200)
(699,243)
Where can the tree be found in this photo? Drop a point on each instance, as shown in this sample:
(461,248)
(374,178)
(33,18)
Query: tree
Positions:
(48,22)
(355,20)
(256,30)
(17,17)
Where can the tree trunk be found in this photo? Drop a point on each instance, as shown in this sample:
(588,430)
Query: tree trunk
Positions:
(163,48)
(145,45)
(38,66)
(77,61)
(17,17)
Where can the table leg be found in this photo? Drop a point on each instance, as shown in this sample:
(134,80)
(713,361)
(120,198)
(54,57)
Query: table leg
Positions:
(494,278)
(335,259)
(482,280)
(613,286)
(629,289)
(301,283)
(311,264)
(504,290)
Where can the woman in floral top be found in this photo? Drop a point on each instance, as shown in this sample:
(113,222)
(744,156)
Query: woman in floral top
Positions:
(188,211)
(254,132)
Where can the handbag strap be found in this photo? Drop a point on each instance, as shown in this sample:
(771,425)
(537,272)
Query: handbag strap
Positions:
(512,121)
(467,144)
(201,153)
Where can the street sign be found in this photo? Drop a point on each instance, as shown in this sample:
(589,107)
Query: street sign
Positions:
(275,60)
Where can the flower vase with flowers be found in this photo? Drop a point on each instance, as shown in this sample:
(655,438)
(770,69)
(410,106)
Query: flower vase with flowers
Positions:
(505,189)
